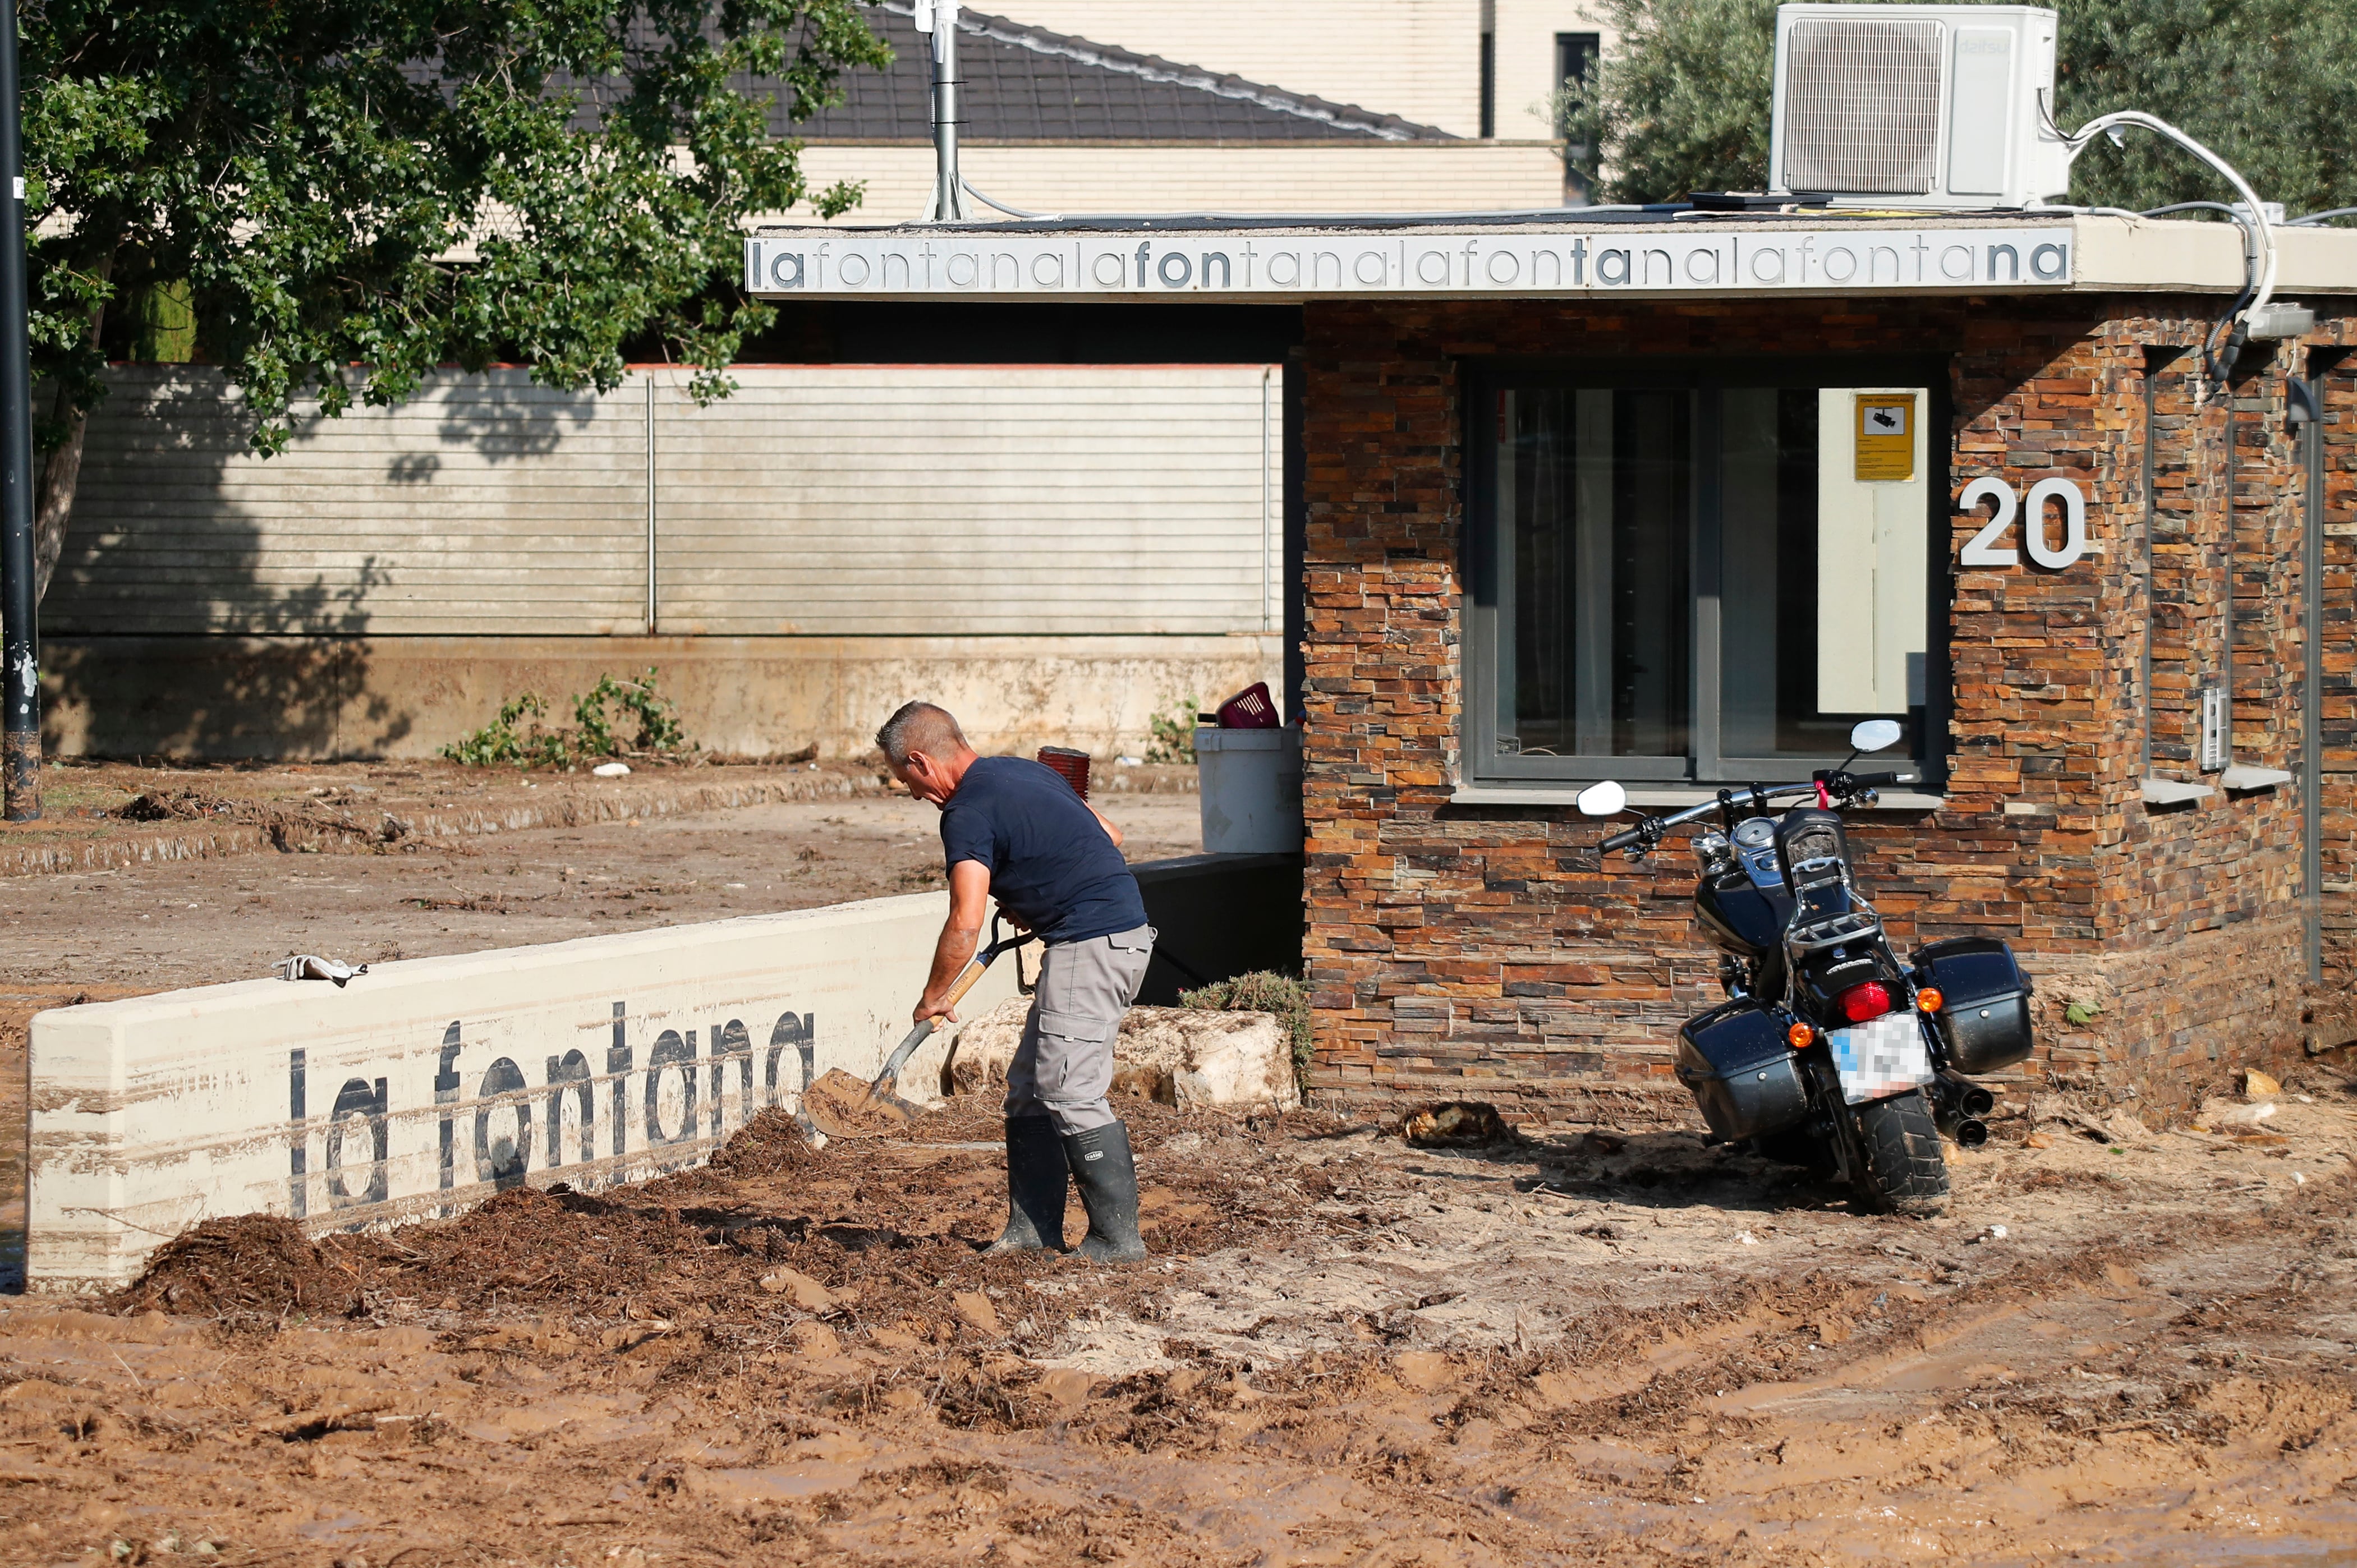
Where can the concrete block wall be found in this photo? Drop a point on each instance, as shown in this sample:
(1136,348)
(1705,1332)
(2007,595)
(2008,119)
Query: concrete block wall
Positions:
(309,698)
(1482,950)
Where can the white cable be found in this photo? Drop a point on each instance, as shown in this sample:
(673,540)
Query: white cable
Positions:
(1015,212)
(2077,142)
(2082,211)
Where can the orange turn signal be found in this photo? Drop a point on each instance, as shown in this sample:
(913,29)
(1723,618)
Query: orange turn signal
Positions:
(1928,1000)
(1800,1034)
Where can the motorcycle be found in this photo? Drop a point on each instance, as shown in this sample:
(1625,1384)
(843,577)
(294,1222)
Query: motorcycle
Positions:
(1829,1051)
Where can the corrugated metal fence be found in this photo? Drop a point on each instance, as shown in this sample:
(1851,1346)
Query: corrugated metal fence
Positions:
(818,500)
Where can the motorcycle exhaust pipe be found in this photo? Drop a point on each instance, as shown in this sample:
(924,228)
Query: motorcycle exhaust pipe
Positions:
(1964,1132)
(1961,1096)
(1957,1106)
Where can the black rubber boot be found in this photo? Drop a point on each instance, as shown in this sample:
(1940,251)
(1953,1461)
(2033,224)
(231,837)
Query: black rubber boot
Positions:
(1107,1178)
(1036,1180)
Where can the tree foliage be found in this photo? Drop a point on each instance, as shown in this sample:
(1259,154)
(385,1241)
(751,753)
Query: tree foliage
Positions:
(397,185)
(2270,85)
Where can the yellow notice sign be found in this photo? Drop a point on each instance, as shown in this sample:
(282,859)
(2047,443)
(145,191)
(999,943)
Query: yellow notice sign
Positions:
(1885,437)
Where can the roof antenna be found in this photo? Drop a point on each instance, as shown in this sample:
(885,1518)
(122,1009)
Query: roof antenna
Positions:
(938,18)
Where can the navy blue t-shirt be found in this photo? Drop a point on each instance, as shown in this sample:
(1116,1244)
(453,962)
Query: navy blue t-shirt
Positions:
(1048,860)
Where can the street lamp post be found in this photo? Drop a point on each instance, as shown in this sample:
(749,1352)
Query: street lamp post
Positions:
(20,690)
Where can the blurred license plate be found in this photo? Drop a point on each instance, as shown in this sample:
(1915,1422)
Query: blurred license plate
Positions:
(1880,1059)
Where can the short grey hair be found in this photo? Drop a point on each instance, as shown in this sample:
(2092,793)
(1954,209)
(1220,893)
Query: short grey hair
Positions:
(919,726)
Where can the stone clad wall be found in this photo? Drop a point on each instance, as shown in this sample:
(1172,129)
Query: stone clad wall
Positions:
(2335,1022)
(1482,949)
(2202,891)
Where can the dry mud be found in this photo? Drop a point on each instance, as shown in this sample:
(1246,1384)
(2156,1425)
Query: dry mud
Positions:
(618,863)
(606,855)
(1591,1347)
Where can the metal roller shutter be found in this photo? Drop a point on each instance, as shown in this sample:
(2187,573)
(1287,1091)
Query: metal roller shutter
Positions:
(970,499)
(484,504)
(816,502)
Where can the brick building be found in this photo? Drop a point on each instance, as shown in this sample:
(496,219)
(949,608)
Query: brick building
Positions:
(1602,496)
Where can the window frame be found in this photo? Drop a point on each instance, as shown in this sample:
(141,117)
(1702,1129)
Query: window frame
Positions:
(1705,766)
(1588,44)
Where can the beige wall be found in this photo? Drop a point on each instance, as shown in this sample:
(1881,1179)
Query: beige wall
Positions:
(1061,551)
(1078,179)
(1527,31)
(1416,59)
(233,697)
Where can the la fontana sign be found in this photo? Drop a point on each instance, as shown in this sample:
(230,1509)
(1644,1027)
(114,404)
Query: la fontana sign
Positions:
(1269,263)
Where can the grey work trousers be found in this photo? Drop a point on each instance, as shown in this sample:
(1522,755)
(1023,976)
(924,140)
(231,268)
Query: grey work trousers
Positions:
(1063,1069)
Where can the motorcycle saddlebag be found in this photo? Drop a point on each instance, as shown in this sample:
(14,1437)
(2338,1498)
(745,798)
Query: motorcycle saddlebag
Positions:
(1742,1071)
(1984,1017)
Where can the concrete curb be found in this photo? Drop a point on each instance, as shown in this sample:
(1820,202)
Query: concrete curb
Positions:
(563,808)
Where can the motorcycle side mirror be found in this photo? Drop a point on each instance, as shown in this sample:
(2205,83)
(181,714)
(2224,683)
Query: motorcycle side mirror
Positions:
(1605,800)
(1873,734)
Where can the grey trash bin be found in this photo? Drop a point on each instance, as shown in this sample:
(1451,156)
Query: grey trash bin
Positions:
(1251,783)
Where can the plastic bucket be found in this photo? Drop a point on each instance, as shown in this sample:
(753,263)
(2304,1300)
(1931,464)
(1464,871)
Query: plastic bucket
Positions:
(1073,765)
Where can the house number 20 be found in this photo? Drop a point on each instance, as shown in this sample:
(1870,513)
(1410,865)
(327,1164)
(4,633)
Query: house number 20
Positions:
(1988,548)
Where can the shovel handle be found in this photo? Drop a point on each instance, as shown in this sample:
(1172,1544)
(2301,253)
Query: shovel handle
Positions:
(890,1076)
(971,977)
(917,1036)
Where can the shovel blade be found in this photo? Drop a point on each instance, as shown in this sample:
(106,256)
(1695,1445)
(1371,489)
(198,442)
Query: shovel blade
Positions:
(842,1106)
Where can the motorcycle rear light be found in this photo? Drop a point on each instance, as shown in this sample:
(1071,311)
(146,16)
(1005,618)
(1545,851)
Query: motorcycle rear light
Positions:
(1860,1003)
(1800,1034)
(1928,999)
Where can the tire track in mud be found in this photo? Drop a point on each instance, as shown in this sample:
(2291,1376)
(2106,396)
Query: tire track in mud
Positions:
(610,1378)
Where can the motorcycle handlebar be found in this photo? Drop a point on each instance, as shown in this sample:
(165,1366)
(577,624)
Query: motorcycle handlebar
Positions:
(1651,830)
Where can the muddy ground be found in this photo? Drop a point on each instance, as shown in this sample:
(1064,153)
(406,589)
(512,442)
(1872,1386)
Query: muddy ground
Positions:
(283,859)
(193,921)
(2133,1346)
(2117,1344)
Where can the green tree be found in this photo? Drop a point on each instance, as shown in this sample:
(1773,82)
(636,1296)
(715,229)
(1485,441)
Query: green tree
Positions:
(1682,105)
(397,185)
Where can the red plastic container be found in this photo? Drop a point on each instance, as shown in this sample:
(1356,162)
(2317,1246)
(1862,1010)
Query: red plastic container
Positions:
(1251,708)
(1072,764)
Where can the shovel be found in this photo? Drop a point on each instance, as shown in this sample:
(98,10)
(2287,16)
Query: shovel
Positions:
(884,1091)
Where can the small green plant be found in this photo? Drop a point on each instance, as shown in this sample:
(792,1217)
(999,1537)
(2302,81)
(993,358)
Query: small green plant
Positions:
(1173,733)
(500,741)
(659,727)
(1262,991)
(517,738)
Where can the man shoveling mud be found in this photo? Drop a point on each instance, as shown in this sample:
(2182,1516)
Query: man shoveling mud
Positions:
(1013,830)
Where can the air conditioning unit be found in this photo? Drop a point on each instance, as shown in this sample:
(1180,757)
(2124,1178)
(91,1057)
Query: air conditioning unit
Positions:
(1937,106)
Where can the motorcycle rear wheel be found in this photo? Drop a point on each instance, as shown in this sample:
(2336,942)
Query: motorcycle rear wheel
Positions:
(1906,1171)
(1802,1146)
